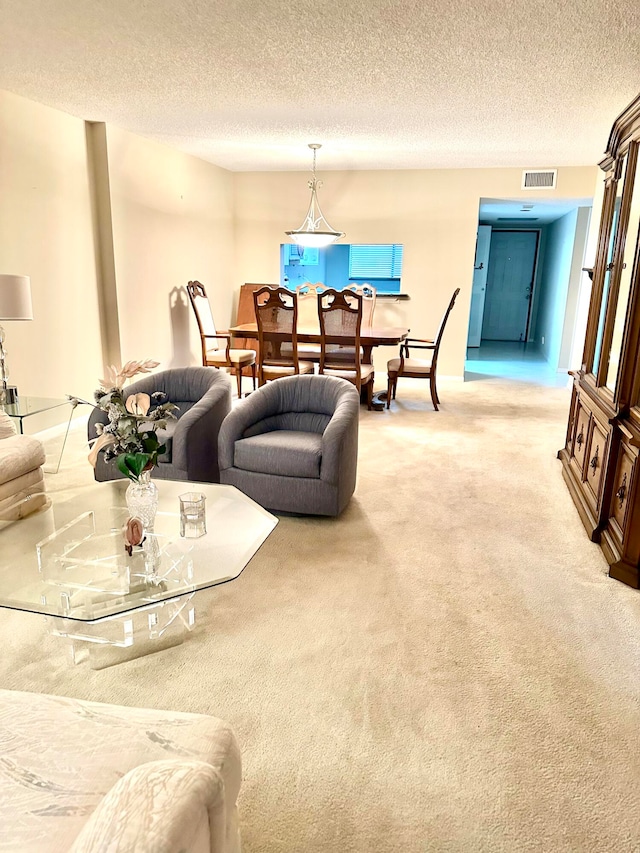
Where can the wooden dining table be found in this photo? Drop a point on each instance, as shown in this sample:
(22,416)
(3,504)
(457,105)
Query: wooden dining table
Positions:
(369,337)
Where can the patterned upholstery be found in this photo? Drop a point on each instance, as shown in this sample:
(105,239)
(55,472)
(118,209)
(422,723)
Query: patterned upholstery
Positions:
(83,776)
(21,478)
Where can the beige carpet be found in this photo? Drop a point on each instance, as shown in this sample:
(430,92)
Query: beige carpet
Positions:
(447,667)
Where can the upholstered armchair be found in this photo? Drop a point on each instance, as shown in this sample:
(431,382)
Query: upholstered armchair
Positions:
(203,398)
(292,445)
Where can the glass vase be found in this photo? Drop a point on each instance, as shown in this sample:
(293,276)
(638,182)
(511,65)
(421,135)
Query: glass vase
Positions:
(142,499)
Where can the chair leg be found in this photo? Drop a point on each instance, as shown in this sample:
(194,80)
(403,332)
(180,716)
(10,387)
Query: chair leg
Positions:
(370,395)
(253,375)
(434,393)
(395,385)
(389,389)
(239,380)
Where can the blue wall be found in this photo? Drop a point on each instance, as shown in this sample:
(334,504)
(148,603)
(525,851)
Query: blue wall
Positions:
(554,285)
(332,270)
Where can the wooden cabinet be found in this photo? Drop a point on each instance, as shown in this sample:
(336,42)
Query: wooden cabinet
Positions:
(600,457)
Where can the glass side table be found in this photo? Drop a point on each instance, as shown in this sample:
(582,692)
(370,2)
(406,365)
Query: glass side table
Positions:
(25,407)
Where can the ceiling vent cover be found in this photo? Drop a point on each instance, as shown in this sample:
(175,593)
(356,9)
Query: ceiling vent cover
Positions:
(539,179)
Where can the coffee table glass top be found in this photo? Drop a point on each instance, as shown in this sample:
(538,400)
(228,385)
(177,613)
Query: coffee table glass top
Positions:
(25,406)
(68,559)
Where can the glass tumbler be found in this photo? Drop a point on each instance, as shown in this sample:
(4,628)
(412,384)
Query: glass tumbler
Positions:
(193,515)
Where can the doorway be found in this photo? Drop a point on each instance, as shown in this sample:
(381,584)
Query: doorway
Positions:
(523,318)
(510,281)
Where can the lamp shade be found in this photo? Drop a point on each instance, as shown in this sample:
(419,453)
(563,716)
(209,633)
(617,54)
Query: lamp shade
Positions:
(15,297)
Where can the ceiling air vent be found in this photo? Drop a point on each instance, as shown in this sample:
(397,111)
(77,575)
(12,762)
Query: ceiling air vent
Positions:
(539,179)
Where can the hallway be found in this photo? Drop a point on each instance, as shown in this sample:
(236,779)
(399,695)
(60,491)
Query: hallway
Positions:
(522,362)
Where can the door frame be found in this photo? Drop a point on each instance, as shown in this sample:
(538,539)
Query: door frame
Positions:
(534,279)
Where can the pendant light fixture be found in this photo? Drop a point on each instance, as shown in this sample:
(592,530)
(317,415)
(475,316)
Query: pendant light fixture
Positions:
(315,230)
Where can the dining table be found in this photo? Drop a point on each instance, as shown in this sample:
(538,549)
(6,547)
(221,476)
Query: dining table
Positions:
(370,337)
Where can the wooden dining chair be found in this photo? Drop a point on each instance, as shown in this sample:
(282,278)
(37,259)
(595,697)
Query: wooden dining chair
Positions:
(340,316)
(219,353)
(277,317)
(368,294)
(418,368)
(307,297)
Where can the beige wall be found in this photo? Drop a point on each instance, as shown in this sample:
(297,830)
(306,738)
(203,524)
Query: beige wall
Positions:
(433,213)
(46,233)
(175,217)
(172,221)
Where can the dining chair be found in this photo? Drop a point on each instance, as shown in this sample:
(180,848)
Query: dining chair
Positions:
(220,354)
(418,368)
(340,316)
(368,294)
(307,296)
(276,311)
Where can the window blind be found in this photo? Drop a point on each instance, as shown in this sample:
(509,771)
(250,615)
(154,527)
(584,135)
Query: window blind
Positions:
(375,260)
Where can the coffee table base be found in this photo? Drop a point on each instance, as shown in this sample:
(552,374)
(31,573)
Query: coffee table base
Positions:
(117,639)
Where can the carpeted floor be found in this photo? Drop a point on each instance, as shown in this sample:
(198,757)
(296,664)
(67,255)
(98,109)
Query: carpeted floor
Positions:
(447,667)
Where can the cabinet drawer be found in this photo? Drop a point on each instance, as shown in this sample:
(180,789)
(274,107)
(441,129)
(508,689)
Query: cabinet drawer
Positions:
(597,448)
(619,510)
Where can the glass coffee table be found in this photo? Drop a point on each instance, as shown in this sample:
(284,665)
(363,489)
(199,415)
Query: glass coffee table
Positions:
(67,561)
(26,407)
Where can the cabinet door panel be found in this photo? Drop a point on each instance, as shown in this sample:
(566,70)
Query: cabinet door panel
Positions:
(624,287)
(596,454)
(581,433)
(613,236)
(619,511)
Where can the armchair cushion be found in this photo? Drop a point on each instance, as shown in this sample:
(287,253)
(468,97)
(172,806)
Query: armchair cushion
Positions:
(284,452)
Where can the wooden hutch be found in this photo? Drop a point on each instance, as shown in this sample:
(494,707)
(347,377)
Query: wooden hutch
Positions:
(600,459)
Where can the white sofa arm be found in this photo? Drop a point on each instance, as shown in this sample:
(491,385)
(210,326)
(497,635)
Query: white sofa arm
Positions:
(162,807)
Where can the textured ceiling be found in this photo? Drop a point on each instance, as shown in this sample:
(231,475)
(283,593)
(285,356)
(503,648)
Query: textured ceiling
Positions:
(383,84)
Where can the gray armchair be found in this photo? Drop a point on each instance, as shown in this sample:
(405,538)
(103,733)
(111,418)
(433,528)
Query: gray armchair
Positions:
(203,396)
(292,445)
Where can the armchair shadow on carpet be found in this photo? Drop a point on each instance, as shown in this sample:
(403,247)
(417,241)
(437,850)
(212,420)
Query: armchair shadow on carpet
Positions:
(292,445)
(203,398)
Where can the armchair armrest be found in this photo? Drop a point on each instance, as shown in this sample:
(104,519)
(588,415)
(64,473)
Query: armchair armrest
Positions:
(222,336)
(192,435)
(340,439)
(160,807)
(415,343)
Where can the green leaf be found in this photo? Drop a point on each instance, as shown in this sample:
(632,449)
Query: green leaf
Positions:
(133,464)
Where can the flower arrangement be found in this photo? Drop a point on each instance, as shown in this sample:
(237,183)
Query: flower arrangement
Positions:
(130,435)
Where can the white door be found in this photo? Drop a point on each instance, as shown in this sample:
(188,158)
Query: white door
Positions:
(512,261)
(480,267)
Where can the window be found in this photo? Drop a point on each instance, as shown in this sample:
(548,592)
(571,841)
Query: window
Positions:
(379,261)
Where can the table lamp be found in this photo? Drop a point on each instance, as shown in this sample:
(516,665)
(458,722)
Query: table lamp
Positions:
(15,304)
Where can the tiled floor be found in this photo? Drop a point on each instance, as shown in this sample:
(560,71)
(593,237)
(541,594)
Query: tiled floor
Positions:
(521,362)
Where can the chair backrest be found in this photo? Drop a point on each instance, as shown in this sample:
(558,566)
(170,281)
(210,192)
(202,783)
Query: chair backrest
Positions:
(368,294)
(307,294)
(340,315)
(443,323)
(277,317)
(201,308)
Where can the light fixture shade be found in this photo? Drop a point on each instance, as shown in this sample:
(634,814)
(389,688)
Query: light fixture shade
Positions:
(315,231)
(314,239)
(15,297)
